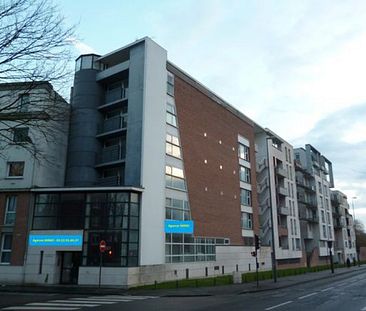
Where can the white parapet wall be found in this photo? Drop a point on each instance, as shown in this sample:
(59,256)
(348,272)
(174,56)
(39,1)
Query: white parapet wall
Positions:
(228,260)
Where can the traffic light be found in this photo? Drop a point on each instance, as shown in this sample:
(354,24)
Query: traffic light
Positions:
(110,253)
(257,242)
(254,253)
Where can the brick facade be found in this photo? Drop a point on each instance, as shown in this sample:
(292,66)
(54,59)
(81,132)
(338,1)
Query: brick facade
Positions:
(19,230)
(209,132)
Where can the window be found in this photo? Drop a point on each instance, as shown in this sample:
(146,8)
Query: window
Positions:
(177,209)
(324,231)
(243,152)
(15,169)
(171,115)
(6,241)
(245,197)
(172,146)
(174,177)
(10,210)
(320,187)
(170,84)
(247,221)
(244,174)
(24,102)
(21,134)
(323,216)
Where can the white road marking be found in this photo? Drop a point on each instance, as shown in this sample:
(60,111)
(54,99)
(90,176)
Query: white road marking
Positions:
(110,299)
(39,308)
(86,300)
(306,296)
(363,309)
(61,304)
(326,289)
(280,305)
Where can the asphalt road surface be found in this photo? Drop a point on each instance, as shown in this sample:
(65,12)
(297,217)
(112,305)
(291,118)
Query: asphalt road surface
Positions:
(345,292)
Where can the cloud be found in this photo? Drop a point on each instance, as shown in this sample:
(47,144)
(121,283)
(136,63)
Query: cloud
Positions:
(81,47)
(340,137)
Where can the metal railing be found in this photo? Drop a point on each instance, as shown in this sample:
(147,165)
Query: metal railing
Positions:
(116,94)
(111,154)
(113,124)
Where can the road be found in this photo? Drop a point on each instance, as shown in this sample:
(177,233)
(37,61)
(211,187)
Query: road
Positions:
(344,292)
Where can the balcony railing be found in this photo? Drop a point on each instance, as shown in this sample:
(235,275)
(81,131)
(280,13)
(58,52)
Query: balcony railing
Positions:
(281,171)
(282,191)
(111,154)
(282,230)
(109,181)
(116,94)
(113,124)
(283,210)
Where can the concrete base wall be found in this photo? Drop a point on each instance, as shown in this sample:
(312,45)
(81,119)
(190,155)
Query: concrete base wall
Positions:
(228,260)
(11,274)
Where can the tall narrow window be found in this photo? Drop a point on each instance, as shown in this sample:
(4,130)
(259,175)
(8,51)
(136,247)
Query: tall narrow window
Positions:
(171,115)
(247,221)
(243,152)
(170,84)
(245,197)
(24,102)
(245,174)
(6,242)
(10,210)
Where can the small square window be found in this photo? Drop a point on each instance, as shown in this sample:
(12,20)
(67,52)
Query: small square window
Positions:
(15,169)
(21,134)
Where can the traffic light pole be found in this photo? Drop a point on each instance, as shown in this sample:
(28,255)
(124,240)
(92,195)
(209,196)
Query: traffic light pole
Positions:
(256,267)
(100,266)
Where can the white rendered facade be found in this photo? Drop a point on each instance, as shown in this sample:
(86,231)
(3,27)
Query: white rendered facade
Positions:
(277,191)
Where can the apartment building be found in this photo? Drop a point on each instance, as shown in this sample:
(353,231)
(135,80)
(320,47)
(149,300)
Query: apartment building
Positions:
(158,167)
(314,178)
(277,198)
(30,158)
(344,231)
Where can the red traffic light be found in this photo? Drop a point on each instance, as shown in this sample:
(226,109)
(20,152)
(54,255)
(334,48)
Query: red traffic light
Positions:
(110,253)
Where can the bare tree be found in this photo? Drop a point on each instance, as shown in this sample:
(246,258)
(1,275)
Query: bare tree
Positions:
(35,48)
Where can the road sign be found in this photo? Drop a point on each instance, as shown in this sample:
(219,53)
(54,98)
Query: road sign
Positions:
(102,246)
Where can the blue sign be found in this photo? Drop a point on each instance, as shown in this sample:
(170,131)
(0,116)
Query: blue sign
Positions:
(55,240)
(179,226)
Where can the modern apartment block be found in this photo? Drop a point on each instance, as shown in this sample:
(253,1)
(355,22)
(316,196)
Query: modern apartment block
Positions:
(314,178)
(344,231)
(158,167)
(29,159)
(277,198)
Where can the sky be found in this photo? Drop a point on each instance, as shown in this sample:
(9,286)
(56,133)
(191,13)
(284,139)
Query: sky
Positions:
(297,67)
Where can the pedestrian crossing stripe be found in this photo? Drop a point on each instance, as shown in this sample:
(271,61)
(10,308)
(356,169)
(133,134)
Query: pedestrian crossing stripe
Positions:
(75,303)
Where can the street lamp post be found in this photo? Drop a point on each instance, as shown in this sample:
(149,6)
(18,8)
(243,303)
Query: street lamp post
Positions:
(273,253)
(354,229)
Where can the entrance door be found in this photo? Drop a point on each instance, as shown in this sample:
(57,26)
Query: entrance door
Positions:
(70,262)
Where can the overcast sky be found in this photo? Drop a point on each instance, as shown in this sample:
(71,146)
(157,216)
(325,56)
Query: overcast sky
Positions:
(296,67)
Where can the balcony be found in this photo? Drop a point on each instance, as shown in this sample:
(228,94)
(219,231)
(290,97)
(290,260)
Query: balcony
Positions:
(280,171)
(283,210)
(111,155)
(282,191)
(112,125)
(109,181)
(116,95)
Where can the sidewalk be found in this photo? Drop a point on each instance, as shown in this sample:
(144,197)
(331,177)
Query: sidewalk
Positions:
(233,289)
